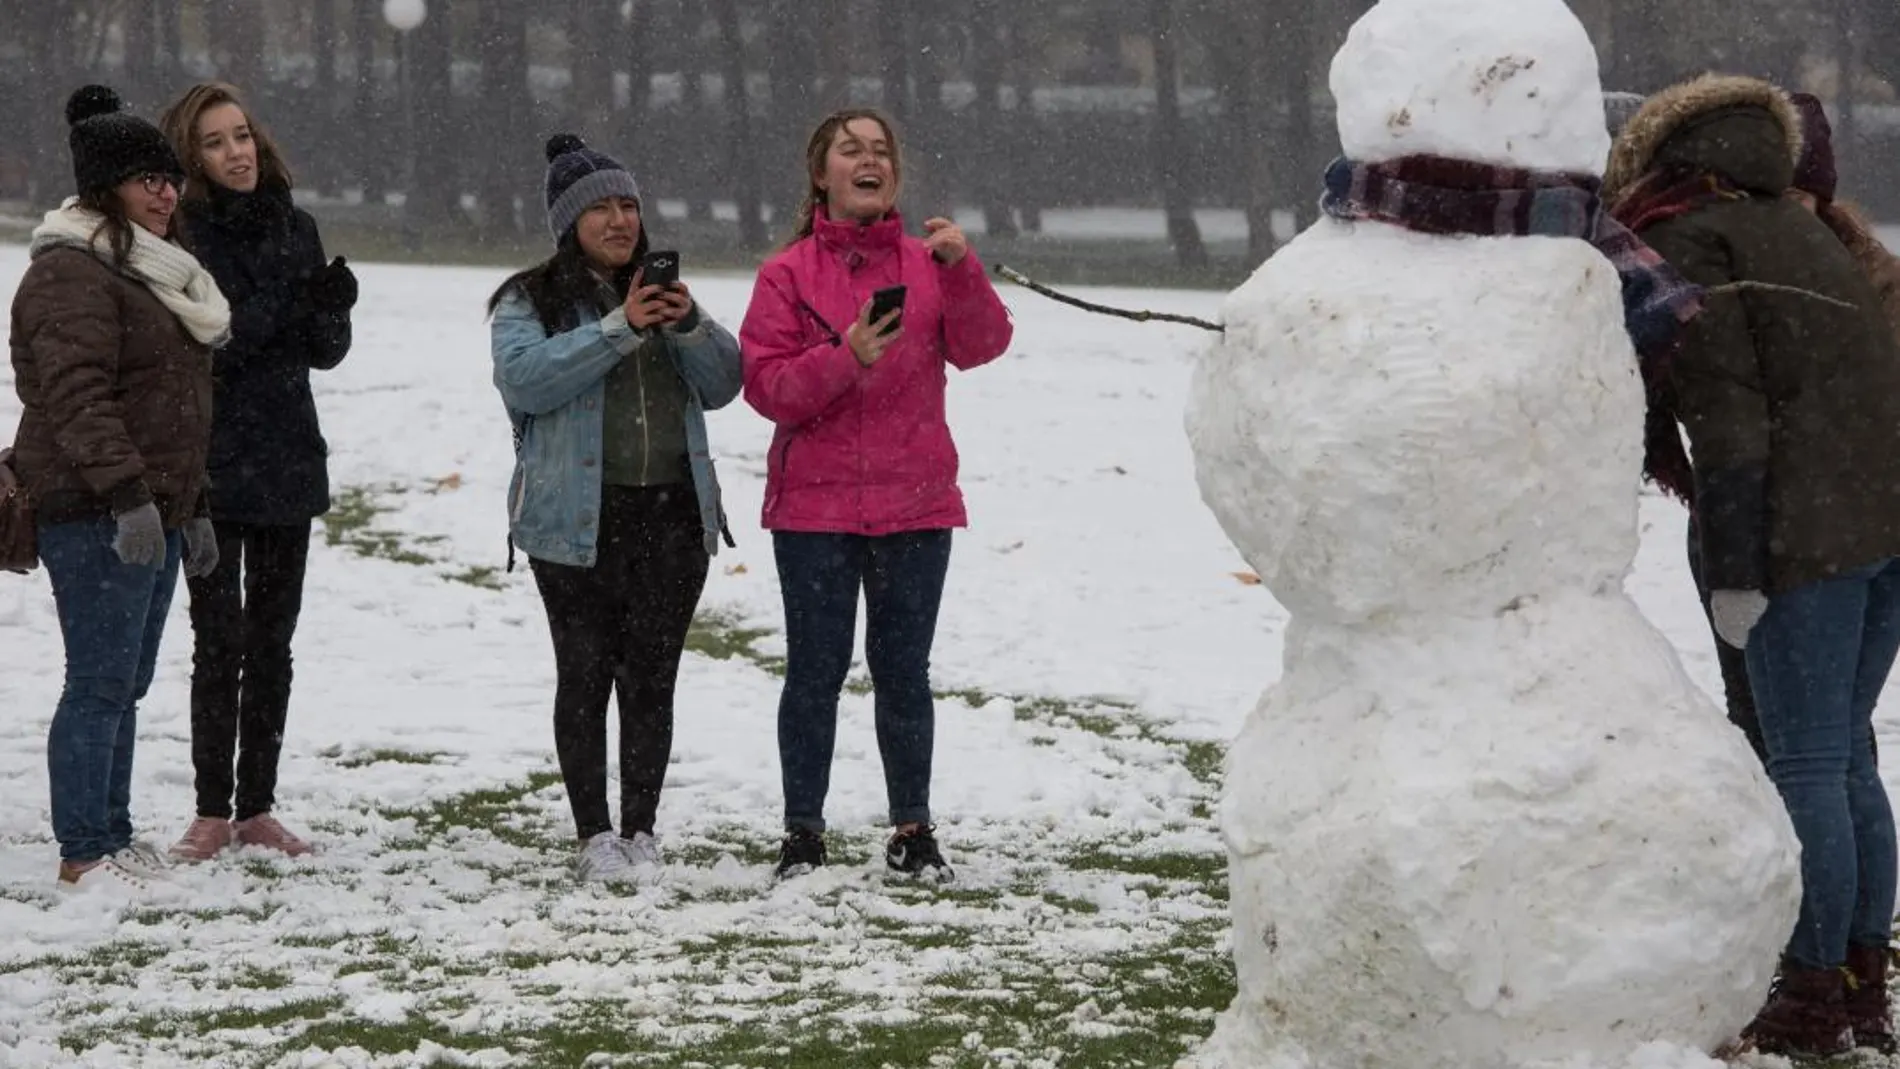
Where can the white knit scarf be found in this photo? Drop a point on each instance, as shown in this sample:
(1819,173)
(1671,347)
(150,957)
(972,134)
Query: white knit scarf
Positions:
(173,275)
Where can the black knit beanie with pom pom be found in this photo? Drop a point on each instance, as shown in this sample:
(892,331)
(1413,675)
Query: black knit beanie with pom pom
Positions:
(110,144)
(578,178)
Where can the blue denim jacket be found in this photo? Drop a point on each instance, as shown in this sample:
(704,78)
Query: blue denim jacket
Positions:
(555,390)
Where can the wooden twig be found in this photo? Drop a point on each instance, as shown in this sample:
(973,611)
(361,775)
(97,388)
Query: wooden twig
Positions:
(1139,316)
(1770,287)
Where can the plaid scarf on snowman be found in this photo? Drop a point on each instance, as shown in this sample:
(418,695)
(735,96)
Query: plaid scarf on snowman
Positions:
(1434,195)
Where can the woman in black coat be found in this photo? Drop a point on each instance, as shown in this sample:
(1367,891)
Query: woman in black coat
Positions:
(269,477)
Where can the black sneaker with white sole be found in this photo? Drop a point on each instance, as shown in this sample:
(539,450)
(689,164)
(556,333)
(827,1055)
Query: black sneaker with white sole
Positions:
(914,852)
(801,851)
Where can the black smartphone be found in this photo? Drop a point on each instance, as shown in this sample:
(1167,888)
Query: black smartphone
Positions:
(660,268)
(882,304)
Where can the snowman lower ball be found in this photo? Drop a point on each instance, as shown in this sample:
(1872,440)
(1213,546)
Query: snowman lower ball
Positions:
(1484,819)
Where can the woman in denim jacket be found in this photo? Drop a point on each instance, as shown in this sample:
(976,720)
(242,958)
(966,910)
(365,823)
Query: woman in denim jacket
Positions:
(614,499)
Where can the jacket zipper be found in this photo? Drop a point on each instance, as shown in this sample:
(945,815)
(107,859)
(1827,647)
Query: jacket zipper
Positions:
(646,430)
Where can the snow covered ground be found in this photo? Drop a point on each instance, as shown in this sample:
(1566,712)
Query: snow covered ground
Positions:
(1099,640)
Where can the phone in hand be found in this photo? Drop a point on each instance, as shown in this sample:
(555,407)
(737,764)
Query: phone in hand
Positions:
(883,302)
(660,268)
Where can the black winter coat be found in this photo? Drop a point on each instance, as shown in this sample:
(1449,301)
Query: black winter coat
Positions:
(269,462)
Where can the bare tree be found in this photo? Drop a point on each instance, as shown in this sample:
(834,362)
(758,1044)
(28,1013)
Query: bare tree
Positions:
(368,121)
(592,28)
(989,148)
(742,150)
(435,191)
(324,170)
(511,153)
(792,69)
(236,32)
(1177,200)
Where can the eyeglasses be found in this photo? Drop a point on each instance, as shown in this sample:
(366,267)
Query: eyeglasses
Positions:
(154,183)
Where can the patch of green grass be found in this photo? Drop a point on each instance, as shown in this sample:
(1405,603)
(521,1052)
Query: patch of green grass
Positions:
(484,576)
(252,978)
(366,758)
(486,810)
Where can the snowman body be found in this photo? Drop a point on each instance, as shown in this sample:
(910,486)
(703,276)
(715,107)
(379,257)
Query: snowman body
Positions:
(1484,819)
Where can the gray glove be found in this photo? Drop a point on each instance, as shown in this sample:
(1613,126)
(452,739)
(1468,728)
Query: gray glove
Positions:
(201,548)
(1736,612)
(140,540)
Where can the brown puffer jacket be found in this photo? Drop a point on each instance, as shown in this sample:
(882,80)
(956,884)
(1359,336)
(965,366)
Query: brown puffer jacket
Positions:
(1789,386)
(117,395)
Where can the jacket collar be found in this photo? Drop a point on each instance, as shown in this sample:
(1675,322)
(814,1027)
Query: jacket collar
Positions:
(857,242)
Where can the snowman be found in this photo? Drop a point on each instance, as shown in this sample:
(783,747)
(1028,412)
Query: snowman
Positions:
(1484,819)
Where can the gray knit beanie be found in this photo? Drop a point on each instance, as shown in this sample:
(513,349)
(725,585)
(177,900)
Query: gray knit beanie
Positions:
(578,178)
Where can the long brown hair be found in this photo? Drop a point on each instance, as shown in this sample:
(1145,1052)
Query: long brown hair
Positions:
(114,223)
(818,149)
(180,123)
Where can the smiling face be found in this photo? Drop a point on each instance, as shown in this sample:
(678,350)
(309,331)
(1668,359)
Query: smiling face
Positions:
(149,201)
(608,232)
(226,148)
(859,177)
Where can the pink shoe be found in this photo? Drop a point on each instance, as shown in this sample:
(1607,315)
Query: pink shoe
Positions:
(204,840)
(264,830)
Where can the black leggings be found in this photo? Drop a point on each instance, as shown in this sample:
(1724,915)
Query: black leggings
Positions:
(620,628)
(243,616)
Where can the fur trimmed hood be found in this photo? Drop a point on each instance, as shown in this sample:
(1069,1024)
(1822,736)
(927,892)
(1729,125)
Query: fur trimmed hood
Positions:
(1672,110)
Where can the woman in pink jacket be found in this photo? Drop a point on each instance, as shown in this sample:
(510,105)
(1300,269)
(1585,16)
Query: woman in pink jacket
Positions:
(861,483)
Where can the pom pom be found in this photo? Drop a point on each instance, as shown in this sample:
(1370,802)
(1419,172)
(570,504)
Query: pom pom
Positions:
(561,144)
(89,101)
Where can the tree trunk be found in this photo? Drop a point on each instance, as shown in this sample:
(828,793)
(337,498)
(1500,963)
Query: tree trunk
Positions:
(46,35)
(639,53)
(236,32)
(1177,200)
(168,38)
(742,159)
(693,60)
(324,173)
(370,129)
(511,158)
(792,65)
(1296,42)
(1639,40)
(930,120)
(990,154)
(593,28)
(435,194)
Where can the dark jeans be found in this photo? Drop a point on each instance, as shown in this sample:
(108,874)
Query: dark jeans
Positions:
(112,616)
(902,577)
(620,628)
(1819,660)
(243,616)
(1733,662)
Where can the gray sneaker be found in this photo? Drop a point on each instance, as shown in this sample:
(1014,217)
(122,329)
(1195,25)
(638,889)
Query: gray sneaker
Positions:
(603,861)
(643,853)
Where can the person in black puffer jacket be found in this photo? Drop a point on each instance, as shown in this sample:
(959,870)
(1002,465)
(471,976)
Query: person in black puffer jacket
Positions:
(268,465)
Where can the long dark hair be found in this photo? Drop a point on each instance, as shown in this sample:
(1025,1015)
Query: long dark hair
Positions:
(559,284)
(818,149)
(113,222)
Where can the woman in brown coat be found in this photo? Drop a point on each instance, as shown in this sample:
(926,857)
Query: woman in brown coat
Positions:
(1788,385)
(113,326)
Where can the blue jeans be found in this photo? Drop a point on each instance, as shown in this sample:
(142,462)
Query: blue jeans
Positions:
(1818,660)
(111,615)
(902,577)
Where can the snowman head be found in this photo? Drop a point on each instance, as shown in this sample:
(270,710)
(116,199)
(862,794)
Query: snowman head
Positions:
(1506,82)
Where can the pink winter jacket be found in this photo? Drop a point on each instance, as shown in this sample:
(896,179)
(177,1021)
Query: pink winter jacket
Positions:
(862,450)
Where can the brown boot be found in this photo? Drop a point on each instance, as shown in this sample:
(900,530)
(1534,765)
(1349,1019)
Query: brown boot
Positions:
(1806,1015)
(1867,1006)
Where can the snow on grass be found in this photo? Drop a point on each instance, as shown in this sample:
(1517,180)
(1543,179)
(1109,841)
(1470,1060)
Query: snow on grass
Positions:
(1097,646)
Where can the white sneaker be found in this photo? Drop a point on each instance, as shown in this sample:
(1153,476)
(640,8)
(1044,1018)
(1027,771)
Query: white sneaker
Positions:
(119,876)
(643,853)
(144,858)
(603,861)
